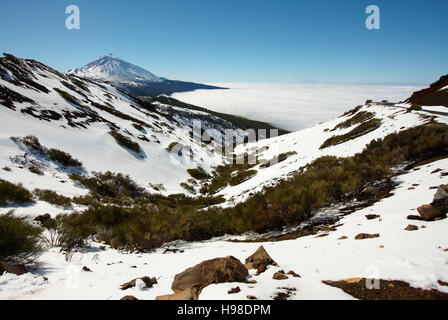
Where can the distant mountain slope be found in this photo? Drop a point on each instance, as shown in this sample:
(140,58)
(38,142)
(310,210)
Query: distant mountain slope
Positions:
(435,95)
(87,119)
(133,79)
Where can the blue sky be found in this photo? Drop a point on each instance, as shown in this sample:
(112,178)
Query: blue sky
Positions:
(238,40)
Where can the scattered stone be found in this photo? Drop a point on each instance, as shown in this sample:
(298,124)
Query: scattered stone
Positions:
(234,290)
(251,297)
(414,217)
(252,281)
(411,188)
(381,246)
(389,290)
(85,269)
(322,235)
(261,269)
(433,188)
(363,236)
(437,171)
(443,283)
(372,216)
(128,298)
(415,184)
(14,269)
(189,284)
(281,296)
(411,227)
(342,238)
(103,248)
(429,212)
(133,267)
(423,227)
(149,282)
(280,275)
(292,273)
(259,257)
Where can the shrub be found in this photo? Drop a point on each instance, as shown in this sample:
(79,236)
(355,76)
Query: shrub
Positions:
(11,193)
(242,176)
(36,170)
(31,142)
(110,186)
(67,96)
(414,107)
(281,157)
(53,198)
(63,158)
(125,142)
(360,130)
(199,174)
(19,239)
(359,117)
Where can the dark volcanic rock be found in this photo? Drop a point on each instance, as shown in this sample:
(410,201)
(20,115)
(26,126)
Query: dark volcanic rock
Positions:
(260,257)
(189,284)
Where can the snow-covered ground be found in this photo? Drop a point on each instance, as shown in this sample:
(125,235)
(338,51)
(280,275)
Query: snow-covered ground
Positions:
(417,257)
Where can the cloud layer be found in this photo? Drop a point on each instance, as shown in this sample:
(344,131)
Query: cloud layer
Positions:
(292,106)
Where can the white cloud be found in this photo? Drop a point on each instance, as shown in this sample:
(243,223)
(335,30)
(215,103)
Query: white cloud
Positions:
(292,106)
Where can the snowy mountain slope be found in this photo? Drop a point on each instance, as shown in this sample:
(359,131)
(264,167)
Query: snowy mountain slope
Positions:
(304,146)
(132,78)
(76,116)
(418,257)
(111,68)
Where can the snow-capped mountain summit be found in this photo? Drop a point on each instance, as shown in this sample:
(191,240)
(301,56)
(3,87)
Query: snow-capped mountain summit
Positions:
(133,79)
(112,68)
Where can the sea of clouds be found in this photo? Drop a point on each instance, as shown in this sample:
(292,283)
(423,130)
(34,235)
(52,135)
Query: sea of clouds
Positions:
(293,106)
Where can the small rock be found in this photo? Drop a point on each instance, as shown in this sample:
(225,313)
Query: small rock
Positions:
(252,281)
(149,282)
(411,188)
(292,273)
(443,283)
(342,238)
(43,218)
(411,227)
(381,246)
(85,269)
(372,216)
(414,217)
(282,296)
(234,290)
(251,297)
(363,236)
(128,298)
(280,275)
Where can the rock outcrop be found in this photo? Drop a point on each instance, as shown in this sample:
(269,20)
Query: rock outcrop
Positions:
(260,257)
(14,269)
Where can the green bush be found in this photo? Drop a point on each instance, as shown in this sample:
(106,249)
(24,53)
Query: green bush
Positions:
(67,96)
(155,219)
(125,142)
(11,194)
(36,170)
(31,142)
(359,117)
(198,174)
(358,131)
(63,158)
(53,198)
(19,239)
(414,107)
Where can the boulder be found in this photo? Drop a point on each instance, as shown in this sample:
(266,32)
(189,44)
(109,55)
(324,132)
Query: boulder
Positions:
(149,282)
(429,212)
(441,198)
(188,285)
(363,236)
(260,257)
(14,269)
